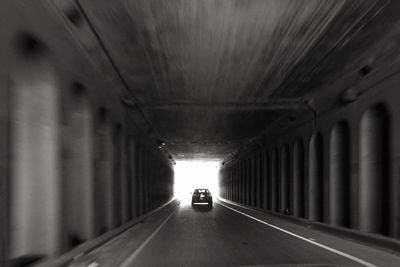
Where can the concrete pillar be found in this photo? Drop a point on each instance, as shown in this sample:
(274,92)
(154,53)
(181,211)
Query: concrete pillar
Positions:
(298,179)
(258,180)
(229,173)
(145,163)
(35,182)
(237,182)
(243,182)
(4,167)
(117,175)
(315,178)
(139,180)
(132,176)
(250,187)
(246,182)
(266,182)
(126,181)
(240,182)
(243,187)
(339,175)
(284,180)
(274,180)
(103,174)
(240,185)
(254,179)
(233,182)
(374,170)
(77,169)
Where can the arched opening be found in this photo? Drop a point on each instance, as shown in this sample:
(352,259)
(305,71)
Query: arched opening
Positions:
(284,180)
(339,175)
(35,181)
(274,180)
(103,174)
(374,171)
(77,169)
(298,179)
(315,204)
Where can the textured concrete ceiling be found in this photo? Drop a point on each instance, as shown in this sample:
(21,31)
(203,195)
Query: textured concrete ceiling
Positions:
(211,75)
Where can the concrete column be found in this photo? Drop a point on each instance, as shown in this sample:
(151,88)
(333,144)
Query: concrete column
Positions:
(103,174)
(117,175)
(374,170)
(227,182)
(126,181)
(145,181)
(339,175)
(233,182)
(139,180)
(315,178)
(284,180)
(274,180)
(241,182)
(35,182)
(265,177)
(253,180)
(4,166)
(244,181)
(258,180)
(298,179)
(230,182)
(78,183)
(236,182)
(250,181)
(229,173)
(132,166)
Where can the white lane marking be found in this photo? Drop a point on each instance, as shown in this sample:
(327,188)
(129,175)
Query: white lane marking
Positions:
(128,261)
(365,263)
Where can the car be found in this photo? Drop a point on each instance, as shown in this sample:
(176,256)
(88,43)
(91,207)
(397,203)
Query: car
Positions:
(202,195)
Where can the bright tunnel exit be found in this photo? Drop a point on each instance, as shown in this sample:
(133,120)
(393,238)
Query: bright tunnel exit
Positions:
(190,175)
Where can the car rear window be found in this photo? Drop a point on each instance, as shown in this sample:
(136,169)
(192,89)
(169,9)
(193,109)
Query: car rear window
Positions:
(201,191)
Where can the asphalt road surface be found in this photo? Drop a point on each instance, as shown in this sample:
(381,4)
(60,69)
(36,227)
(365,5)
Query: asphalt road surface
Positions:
(222,237)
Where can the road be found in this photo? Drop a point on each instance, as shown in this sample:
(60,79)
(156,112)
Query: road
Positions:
(222,237)
(227,235)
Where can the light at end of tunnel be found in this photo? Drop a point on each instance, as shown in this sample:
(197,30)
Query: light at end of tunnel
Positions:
(190,175)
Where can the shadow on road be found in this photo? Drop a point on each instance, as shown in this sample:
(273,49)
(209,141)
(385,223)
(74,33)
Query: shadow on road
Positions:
(202,208)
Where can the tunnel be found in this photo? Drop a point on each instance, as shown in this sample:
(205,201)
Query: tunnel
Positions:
(279,119)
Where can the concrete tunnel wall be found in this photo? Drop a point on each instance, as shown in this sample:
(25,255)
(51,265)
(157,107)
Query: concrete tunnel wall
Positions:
(73,164)
(343,171)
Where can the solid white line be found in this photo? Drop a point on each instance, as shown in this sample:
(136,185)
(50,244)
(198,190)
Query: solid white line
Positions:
(128,261)
(304,239)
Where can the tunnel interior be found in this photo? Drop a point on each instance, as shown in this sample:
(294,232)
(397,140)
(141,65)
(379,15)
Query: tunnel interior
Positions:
(109,110)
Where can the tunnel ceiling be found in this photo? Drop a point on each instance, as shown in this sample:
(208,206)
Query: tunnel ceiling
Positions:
(211,75)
